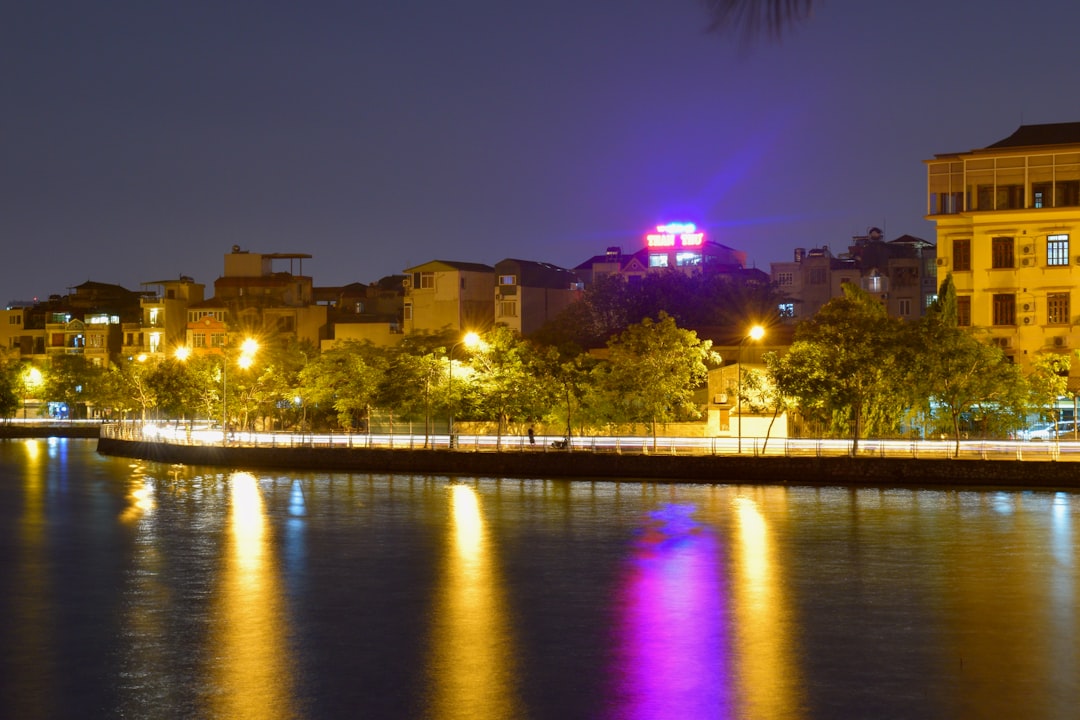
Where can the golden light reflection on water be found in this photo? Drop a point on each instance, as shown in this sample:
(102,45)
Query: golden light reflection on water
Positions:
(32,630)
(250,674)
(471,664)
(768,674)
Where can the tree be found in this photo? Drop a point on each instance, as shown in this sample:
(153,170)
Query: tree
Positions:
(958,374)
(652,371)
(72,380)
(846,367)
(11,383)
(506,380)
(1049,380)
(346,379)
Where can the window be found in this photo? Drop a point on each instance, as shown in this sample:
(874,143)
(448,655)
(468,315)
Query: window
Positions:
(14,319)
(199,340)
(963,311)
(687,258)
(903,307)
(508,280)
(217,340)
(961,250)
(1057,249)
(427,280)
(785,278)
(508,308)
(1040,195)
(658,261)
(817,276)
(931,298)
(786,310)
(1010,197)
(408,311)
(1002,251)
(1004,306)
(1057,308)
(1067,193)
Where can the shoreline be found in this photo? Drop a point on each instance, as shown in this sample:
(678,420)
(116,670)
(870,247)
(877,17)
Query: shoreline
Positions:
(587,465)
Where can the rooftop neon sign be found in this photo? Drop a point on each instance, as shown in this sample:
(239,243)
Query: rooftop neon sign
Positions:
(675,235)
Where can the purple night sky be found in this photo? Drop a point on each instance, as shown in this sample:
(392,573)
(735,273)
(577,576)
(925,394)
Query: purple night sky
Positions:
(142,139)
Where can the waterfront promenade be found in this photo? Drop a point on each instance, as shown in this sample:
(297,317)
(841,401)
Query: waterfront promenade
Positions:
(699,460)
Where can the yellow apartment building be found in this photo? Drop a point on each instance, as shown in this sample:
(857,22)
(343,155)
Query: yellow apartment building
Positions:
(444,294)
(1006,215)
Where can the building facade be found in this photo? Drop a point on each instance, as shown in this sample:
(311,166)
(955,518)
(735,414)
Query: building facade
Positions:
(900,273)
(445,294)
(528,294)
(1005,217)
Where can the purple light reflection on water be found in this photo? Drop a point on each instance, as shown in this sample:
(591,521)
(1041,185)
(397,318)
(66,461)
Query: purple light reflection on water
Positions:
(672,632)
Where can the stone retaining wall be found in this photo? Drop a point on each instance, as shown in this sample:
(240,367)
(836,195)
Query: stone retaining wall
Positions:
(723,469)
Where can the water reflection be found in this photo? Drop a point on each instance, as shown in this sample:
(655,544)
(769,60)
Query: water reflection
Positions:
(250,672)
(673,649)
(768,676)
(471,666)
(31,603)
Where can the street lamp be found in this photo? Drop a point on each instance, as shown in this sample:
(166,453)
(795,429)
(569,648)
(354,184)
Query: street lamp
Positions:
(248,348)
(756,333)
(471,339)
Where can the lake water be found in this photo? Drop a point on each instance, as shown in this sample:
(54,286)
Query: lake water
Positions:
(136,590)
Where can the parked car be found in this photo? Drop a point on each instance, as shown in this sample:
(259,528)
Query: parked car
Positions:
(1042,431)
(1066,430)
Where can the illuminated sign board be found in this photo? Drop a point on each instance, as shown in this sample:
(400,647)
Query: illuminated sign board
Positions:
(675,235)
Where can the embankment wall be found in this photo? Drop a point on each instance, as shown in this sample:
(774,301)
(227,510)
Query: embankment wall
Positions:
(725,469)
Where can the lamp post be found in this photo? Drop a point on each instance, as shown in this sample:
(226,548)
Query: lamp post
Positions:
(471,339)
(248,348)
(756,333)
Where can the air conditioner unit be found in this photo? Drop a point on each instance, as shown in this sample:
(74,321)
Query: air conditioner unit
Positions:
(1001,342)
(1027,307)
(406,283)
(1027,249)
(1025,262)
(1027,321)
(498,297)
(1059,341)
(945,261)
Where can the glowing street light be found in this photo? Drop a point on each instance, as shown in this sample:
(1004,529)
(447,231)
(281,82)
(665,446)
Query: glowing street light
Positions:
(470,340)
(756,333)
(248,348)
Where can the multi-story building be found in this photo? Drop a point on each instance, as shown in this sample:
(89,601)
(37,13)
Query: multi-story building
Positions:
(365,312)
(901,273)
(444,294)
(1006,215)
(529,294)
(679,247)
(163,325)
(252,298)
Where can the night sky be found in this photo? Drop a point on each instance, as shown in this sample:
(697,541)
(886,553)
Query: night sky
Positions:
(141,139)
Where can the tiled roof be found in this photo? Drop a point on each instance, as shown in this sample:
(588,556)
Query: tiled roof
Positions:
(1050,134)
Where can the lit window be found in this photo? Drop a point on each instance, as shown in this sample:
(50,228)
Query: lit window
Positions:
(786,310)
(658,261)
(1057,308)
(1057,249)
(508,280)
(687,258)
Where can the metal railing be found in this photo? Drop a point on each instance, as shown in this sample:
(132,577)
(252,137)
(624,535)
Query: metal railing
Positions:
(188,434)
